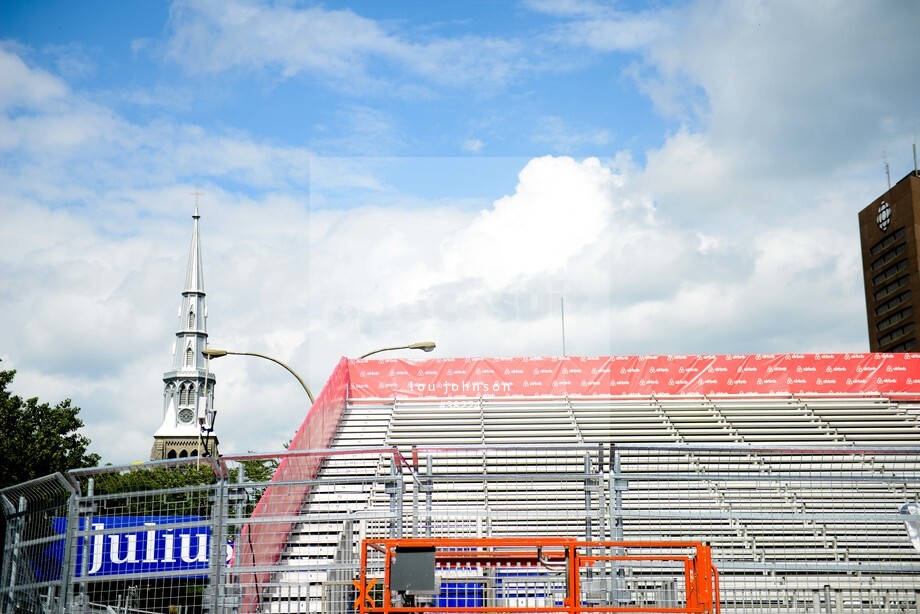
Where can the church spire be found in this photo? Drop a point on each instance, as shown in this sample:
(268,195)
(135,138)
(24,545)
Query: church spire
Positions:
(188,386)
(194,277)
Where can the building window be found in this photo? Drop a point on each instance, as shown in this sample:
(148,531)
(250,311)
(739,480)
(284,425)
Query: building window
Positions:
(889,273)
(904,346)
(191,319)
(171,454)
(880,262)
(897,333)
(189,357)
(887,242)
(891,288)
(894,318)
(892,303)
(186,395)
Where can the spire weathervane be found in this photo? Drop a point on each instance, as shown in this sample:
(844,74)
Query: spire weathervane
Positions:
(197,194)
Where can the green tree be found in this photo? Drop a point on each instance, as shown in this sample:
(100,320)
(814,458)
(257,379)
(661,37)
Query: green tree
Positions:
(37,439)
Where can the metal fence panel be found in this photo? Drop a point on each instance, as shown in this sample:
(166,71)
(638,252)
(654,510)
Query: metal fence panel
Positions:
(818,530)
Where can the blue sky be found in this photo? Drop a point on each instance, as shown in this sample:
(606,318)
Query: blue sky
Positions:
(685,174)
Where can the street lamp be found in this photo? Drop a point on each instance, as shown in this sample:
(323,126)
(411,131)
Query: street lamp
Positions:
(219,353)
(425,346)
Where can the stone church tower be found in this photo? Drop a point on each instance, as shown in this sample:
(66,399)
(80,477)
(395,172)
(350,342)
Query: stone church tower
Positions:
(188,395)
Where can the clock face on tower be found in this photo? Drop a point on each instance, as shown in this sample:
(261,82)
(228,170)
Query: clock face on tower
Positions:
(186,415)
(883,217)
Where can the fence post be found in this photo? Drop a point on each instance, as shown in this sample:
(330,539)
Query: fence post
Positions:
(395,488)
(14,536)
(84,525)
(218,544)
(429,493)
(70,547)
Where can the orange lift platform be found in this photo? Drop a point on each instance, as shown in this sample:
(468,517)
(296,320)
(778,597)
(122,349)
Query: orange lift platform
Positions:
(521,575)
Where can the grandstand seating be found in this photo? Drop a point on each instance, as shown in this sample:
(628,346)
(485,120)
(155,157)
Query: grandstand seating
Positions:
(763,509)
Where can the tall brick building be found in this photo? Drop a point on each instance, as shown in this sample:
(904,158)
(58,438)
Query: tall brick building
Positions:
(890,240)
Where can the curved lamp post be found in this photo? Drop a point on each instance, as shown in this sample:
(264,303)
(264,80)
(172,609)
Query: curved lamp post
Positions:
(219,353)
(425,346)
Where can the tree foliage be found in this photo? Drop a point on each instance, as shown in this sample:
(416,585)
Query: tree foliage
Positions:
(37,439)
(139,484)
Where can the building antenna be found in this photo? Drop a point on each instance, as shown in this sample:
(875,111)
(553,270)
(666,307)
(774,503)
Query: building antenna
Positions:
(562,311)
(887,170)
(916,171)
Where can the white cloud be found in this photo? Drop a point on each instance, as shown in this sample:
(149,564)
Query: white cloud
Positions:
(22,86)
(338,45)
(472,145)
(559,207)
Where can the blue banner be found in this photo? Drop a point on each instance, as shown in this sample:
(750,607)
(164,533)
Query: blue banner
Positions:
(145,550)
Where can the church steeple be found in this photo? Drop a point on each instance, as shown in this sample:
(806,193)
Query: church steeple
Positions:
(188,387)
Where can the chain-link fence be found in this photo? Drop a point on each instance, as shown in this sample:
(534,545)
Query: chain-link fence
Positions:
(816,530)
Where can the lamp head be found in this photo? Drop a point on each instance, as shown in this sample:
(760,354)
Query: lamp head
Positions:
(425,346)
(214,353)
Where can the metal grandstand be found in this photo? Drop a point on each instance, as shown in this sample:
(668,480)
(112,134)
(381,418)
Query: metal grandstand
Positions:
(801,497)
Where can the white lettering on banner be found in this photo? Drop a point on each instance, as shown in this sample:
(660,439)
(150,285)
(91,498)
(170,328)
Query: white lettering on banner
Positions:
(708,356)
(771,369)
(891,368)
(825,356)
(562,382)
(394,372)
(629,370)
(677,382)
(648,382)
(850,382)
(186,549)
(150,555)
(794,356)
(712,369)
(887,380)
(831,369)
(619,382)
(689,370)
(120,553)
(596,371)
(737,382)
(709,382)
(806,369)
(735,357)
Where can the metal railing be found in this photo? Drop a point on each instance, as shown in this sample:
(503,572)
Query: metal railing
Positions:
(817,530)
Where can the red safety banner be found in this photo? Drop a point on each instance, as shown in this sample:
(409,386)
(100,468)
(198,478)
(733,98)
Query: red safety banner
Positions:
(637,375)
